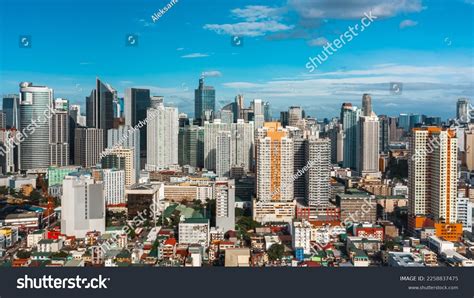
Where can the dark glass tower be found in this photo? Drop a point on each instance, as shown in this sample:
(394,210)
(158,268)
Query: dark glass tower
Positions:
(137,101)
(204,100)
(100,107)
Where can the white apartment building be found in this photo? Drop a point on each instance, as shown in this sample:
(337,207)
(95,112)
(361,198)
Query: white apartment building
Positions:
(368,149)
(114,186)
(318,174)
(211,131)
(224,194)
(301,235)
(194,231)
(162,137)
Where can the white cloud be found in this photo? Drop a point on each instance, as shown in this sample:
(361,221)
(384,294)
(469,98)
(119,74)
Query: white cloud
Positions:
(257,20)
(349,9)
(318,42)
(407,23)
(211,73)
(195,55)
(179,49)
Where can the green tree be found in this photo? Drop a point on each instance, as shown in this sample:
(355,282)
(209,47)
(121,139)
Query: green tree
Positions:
(23,254)
(275,252)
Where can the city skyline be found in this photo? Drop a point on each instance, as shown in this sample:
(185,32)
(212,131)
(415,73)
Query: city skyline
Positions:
(404,44)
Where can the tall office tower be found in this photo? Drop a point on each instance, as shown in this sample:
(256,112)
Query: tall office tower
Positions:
(210,136)
(75,114)
(8,150)
(393,130)
(295,114)
(89,144)
(432,181)
(82,206)
(59,134)
(463,110)
(137,101)
(126,137)
(350,121)
(191,146)
(433,120)
(10,108)
(336,135)
(226,116)
(122,159)
(267,111)
(368,149)
(35,105)
(274,183)
(318,175)
(469,147)
(366,105)
(223,153)
(243,136)
(384,133)
(224,194)
(100,107)
(257,107)
(204,100)
(404,122)
(416,120)
(284,118)
(114,186)
(239,105)
(162,143)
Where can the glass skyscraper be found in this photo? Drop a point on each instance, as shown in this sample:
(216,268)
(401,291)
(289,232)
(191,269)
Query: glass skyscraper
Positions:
(204,100)
(350,119)
(10,108)
(137,101)
(35,105)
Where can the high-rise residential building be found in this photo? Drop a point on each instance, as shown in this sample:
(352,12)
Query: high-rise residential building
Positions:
(469,147)
(121,158)
(204,100)
(463,110)
(299,160)
(35,109)
(10,108)
(114,186)
(223,153)
(368,149)
(137,101)
(59,134)
(100,107)
(464,213)
(224,194)
(336,135)
(318,174)
(191,146)
(239,106)
(89,144)
(394,132)
(210,137)
(257,107)
(432,181)
(82,206)
(274,173)
(3,119)
(350,121)
(295,114)
(226,116)
(125,136)
(243,144)
(162,143)
(8,151)
(384,133)
(366,105)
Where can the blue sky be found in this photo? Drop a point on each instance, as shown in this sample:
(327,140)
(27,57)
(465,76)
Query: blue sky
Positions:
(425,44)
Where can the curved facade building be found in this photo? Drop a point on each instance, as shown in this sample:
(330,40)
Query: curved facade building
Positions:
(34,119)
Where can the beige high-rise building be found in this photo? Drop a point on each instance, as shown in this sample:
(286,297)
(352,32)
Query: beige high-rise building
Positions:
(469,147)
(121,159)
(368,149)
(432,181)
(274,202)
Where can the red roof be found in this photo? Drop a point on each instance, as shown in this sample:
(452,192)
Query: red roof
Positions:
(171,241)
